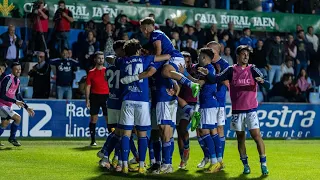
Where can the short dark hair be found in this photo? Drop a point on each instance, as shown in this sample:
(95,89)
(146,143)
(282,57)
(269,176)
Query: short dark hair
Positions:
(64,49)
(131,47)
(300,31)
(98,53)
(118,44)
(310,27)
(15,64)
(207,51)
(103,15)
(147,21)
(245,29)
(286,77)
(61,2)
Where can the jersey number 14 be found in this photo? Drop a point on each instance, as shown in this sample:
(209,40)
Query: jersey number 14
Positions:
(138,68)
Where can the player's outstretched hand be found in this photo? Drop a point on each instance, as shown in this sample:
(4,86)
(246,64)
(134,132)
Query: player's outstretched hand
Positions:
(129,79)
(171,92)
(31,112)
(20,104)
(203,70)
(181,68)
(260,80)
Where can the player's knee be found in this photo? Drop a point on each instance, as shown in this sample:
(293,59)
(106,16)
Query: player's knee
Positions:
(142,133)
(16,118)
(220,131)
(94,119)
(5,123)
(241,136)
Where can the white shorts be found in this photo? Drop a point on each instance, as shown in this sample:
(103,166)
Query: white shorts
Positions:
(221,116)
(176,61)
(7,112)
(154,124)
(167,112)
(182,115)
(208,118)
(135,113)
(240,121)
(113,117)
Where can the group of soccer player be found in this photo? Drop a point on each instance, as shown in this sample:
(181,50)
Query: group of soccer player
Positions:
(182,95)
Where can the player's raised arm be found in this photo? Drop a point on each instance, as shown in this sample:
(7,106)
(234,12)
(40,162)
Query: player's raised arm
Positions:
(218,78)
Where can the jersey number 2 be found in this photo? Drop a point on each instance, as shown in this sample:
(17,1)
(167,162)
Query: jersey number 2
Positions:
(138,68)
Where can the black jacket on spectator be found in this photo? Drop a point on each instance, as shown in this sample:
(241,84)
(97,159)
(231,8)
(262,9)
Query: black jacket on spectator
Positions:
(6,44)
(41,81)
(302,50)
(259,58)
(276,54)
(201,37)
(281,90)
(168,30)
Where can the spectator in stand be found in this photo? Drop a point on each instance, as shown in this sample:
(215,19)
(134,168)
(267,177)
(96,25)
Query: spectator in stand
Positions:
(305,7)
(123,25)
(191,50)
(101,27)
(191,36)
(283,6)
(176,40)
(62,19)
(302,58)
(221,49)
(212,34)
(259,58)
(64,72)
(287,67)
(157,26)
(10,45)
(313,39)
(203,3)
(200,34)
(91,26)
(291,48)
(108,38)
(227,56)
(281,90)
(246,39)
(233,36)
(41,78)
(275,58)
(298,28)
(224,40)
(170,27)
(304,84)
(40,27)
(89,47)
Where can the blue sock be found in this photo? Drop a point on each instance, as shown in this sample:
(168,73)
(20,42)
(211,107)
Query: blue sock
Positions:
(244,160)
(223,144)
(125,145)
(187,109)
(112,144)
(203,147)
(166,151)
(151,150)
(217,143)
(143,146)
(157,150)
(14,128)
(210,145)
(186,143)
(1,130)
(263,160)
(185,81)
(105,145)
(172,149)
(133,148)
(117,149)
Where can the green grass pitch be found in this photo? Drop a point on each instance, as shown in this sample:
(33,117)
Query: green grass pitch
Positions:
(72,159)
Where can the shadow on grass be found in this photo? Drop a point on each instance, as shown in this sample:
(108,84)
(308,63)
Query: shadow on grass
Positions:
(177,175)
(6,148)
(87,148)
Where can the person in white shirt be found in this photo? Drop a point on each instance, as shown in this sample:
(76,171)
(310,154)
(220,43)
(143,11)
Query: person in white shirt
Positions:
(287,67)
(312,38)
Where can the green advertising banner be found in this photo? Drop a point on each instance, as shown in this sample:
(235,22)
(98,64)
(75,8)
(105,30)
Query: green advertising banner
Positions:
(87,10)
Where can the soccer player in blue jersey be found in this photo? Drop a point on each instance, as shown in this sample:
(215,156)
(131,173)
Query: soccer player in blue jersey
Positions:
(163,45)
(208,110)
(114,107)
(220,65)
(135,109)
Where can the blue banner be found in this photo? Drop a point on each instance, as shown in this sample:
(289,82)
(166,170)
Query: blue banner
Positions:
(61,118)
